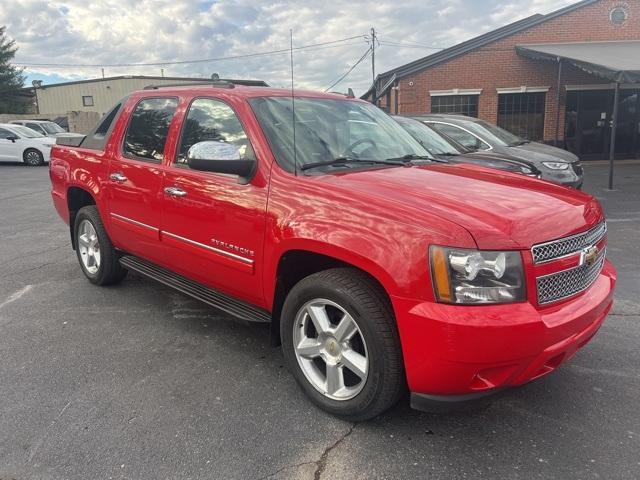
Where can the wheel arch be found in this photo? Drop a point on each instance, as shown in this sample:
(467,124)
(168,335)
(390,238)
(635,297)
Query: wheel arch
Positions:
(297,263)
(77,197)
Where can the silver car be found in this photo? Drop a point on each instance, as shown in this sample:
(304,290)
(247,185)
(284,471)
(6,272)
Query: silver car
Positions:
(554,164)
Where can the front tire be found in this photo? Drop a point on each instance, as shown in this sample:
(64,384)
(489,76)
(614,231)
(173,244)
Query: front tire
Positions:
(340,341)
(96,254)
(33,157)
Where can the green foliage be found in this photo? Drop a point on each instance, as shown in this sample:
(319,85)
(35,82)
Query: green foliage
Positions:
(12,98)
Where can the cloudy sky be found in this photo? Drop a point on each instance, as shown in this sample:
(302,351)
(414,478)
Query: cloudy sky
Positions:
(110,32)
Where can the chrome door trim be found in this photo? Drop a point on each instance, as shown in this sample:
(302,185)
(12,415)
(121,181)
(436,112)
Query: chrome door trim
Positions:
(224,253)
(134,222)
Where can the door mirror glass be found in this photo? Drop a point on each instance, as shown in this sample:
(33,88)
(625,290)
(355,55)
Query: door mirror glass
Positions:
(220,157)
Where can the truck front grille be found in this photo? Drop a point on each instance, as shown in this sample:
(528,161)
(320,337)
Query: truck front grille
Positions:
(547,251)
(557,286)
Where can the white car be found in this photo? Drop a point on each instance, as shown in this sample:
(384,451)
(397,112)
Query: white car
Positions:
(21,144)
(46,128)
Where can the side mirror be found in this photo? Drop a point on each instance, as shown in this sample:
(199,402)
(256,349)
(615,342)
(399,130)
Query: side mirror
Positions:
(219,157)
(12,138)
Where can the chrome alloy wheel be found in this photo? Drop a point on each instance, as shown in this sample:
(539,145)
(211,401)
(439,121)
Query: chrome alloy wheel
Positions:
(33,157)
(89,247)
(330,349)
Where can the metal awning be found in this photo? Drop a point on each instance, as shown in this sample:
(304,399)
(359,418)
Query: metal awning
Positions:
(615,61)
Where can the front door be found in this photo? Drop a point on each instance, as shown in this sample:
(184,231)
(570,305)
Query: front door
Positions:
(135,178)
(213,226)
(10,150)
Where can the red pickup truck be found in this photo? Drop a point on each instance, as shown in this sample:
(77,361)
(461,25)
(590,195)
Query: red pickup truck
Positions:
(378,267)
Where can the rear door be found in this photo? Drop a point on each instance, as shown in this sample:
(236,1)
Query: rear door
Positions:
(135,177)
(213,226)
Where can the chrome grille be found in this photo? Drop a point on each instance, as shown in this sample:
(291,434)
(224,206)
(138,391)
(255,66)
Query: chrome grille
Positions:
(564,246)
(557,286)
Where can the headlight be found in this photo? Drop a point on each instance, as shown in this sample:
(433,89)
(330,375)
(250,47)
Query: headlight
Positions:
(475,276)
(556,165)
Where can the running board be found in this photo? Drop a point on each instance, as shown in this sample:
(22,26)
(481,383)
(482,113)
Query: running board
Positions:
(212,297)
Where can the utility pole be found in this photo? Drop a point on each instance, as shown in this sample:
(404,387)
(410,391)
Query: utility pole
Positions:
(373,64)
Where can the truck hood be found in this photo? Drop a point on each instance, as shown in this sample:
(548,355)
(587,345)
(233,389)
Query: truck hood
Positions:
(499,209)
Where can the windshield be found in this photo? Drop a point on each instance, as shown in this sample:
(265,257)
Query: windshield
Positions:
(26,132)
(494,134)
(327,129)
(428,138)
(51,127)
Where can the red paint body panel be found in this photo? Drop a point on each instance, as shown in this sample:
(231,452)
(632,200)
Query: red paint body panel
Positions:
(231,236)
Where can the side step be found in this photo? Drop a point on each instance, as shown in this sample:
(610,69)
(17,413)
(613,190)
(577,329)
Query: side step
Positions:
(212,297)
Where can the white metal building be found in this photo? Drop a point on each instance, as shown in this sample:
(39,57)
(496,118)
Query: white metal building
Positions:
(100,94)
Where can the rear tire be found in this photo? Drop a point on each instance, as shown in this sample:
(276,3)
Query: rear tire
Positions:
(97,256)
(33,157)
(355,371)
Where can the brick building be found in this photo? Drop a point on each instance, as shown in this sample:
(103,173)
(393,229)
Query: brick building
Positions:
(490,77)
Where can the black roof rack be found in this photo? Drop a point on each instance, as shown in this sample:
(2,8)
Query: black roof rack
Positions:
(213,83)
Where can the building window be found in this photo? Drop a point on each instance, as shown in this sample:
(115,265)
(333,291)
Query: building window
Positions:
(460,104)
(87,100)
(522,114)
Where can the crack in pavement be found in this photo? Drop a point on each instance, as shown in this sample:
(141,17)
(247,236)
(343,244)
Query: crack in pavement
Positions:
(321,463)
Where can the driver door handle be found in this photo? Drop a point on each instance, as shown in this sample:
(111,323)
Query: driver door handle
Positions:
(118,177)
(175,192)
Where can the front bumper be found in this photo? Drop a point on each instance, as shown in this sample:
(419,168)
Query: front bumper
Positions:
(458,352)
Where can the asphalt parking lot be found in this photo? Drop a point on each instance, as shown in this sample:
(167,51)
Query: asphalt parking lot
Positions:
(140,382)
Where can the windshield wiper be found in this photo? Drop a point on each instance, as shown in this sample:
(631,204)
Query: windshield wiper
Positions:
(344,161)
(520,142)
(412,156)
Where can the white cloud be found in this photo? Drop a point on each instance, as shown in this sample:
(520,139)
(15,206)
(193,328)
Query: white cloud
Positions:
(122,31)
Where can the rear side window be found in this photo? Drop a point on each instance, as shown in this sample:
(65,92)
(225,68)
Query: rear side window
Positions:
(148,127)
(36,127)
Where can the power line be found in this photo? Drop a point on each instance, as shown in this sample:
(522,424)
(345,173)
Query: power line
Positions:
(409,45)
(184,62)
(342,77)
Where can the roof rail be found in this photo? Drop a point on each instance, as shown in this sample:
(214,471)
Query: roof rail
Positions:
(213,83)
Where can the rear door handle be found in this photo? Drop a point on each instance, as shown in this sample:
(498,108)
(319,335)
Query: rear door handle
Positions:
(118,177)
(175,192)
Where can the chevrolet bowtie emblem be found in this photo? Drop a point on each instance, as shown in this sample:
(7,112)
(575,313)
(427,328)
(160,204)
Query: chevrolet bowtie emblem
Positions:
(589,255)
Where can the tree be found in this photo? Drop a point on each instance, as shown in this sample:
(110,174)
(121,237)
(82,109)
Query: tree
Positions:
(12,98)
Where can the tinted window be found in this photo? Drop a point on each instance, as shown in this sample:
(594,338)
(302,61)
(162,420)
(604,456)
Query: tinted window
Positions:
(210,119)
(461,136)
(35,127)
(459,104)
(148,128)
(428,138)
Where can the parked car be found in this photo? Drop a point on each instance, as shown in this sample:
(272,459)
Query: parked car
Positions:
(376,266)
(555,164)
(46,128)
(447,149)
(21,144)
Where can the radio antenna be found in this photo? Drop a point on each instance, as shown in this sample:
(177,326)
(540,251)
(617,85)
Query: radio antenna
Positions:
(293,105)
